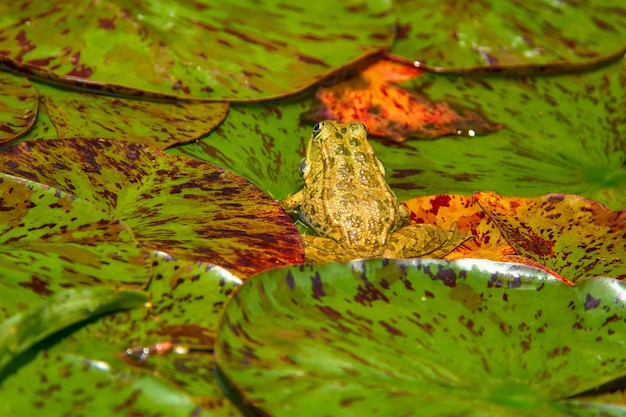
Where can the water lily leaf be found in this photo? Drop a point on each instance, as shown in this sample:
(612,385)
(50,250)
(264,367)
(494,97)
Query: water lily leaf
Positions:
(97,365)
(18,107)
(389,111)
(158,124)
(430,338)
(200,49)
(262,143)
(487,242)
(188,209)
(574,236)
(493,33)
(544,147)
(51,241)
(20,332)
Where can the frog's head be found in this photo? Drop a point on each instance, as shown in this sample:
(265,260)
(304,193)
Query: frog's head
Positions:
(331,140)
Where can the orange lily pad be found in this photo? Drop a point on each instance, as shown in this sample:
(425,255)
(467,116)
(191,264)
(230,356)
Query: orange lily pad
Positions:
(572,235)
(568,236)
(390,111)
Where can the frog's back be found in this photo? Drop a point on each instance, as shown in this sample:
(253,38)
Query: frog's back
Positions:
(360,208)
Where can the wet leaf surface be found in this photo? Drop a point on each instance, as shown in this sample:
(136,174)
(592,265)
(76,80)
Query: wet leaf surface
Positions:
(18,107)
(427,338)
(188,209)
(90,366)
(576,237)
(157,124)
(546,146)
(459,34)
(391,112)
(198,49)
(51,241)
(20,332)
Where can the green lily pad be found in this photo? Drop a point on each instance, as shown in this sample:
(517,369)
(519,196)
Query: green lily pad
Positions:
(421,338)
(20,332)
(561,134)
(96,365)
(188,209)
(19,103)
(158,124)
(495,33)
(51,241)
(217,49)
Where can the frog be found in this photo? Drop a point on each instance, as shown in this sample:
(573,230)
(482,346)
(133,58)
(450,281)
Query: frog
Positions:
(349,206)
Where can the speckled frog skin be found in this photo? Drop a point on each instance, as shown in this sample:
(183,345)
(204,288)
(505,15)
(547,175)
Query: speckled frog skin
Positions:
(348,203)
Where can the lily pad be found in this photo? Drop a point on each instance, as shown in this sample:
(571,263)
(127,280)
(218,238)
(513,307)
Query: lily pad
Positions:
(574,236)
(51,241)
(421,338)
(19,104)
(391,112)
(158,124)
(544,147)
(194,49)
(188,209)
(487,242)
(95,366)
(20,332)
(455,34)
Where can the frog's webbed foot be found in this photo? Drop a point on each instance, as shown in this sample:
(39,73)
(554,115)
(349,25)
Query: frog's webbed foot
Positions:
(292,201)
(423,240)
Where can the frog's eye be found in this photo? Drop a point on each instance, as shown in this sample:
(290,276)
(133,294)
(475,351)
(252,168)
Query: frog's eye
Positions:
(303,167)
(358,127)
(317,128)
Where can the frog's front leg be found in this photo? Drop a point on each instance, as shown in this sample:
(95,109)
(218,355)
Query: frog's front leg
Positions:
(423,240)
(292,201)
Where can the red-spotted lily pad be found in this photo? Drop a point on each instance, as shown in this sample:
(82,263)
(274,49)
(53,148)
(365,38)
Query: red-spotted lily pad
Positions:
(456,34)
(51,241)
(576,237)
(149,361)
(188,209)
(158,124)
(19,103)
(568,236)
(422,338)
(209,49)
(486,242)
(391,112)
(562,134)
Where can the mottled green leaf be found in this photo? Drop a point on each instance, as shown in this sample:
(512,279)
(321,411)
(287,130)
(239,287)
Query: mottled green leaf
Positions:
(576,237)
(209,49)
(463,34)
(421,338)
(561,134)
(158,124)
(20,332)
(96,366)
(51,241)
(18,107)
(188,209)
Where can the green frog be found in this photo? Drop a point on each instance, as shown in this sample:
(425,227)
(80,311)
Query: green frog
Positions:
(347,202)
